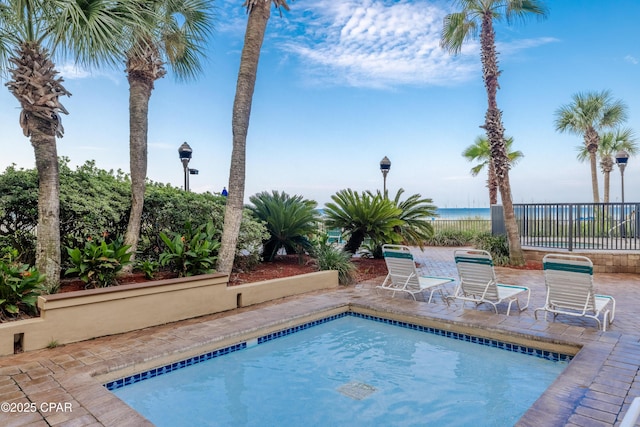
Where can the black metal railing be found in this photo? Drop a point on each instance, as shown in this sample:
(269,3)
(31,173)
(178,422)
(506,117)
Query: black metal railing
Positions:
(593,226)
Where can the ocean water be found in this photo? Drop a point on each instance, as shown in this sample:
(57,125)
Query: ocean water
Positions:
(463,213)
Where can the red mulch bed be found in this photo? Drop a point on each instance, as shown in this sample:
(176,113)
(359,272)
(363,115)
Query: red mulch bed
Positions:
(290,265)
(283,266)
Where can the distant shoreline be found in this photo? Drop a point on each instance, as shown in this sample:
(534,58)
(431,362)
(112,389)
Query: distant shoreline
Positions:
(463,213)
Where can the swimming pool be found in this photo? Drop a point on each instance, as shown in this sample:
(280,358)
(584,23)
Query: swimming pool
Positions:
(356,371)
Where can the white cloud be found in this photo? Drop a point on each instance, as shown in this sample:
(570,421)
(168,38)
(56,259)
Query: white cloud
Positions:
(631,59)
(380,43)
(71,71)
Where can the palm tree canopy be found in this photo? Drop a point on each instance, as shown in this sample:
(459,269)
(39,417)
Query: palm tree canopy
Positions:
(91,32)
(612,142)
(590,111)
(464,25)
(415,213)
(290,221)
(180,32)
(363,215)
(480,151)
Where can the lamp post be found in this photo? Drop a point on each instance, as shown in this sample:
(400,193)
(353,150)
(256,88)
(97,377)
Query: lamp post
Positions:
(185,153)
(621,159)
(385,165)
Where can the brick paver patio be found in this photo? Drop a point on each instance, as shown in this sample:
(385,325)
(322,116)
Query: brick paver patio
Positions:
(63,386)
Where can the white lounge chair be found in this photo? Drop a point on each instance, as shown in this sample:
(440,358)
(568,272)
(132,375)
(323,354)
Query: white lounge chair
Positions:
(403,276)
(478,282)
(570,290)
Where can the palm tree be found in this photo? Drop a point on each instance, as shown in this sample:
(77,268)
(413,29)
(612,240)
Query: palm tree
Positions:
(179,31)
(290,220)
(259,12)
(610,144)
(415,213)
(363,216)
(588,114)
(32,32)
(462,25)
(481,152)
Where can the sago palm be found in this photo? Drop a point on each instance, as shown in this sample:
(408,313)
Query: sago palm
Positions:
(32,34)
(481,152)
(587,115)
(610,144)
(415,214)
(180,29)
(479,15)
(363,216)
(290,221)
(259,12)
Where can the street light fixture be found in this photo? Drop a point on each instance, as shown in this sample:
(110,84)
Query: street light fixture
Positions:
(185,153)
(621,159)
(385,165)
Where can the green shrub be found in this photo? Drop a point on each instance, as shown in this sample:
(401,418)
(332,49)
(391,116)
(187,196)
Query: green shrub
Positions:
(331,257)
(20,286)
(148,267)
(453,238)
(497,246)
(97,264)
(192,252)
(371,249)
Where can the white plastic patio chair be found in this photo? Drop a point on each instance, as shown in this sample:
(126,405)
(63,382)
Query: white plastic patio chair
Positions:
(570,290)
(478,282)
(403,276)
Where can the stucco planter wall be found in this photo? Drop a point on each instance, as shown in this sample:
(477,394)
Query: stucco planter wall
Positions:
(77,316)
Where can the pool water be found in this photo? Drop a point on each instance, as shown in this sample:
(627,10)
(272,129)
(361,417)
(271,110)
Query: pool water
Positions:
(349,372)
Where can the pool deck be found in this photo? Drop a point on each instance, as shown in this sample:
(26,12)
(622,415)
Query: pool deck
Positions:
(62,386)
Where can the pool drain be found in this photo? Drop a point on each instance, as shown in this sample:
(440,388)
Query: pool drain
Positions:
(356,390)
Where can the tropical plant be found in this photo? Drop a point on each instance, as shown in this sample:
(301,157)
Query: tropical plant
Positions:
(98,263)
(586,115)
(31,34)
(290,221)
(460,26)
(330,257)
(192,252)
(610,144)
(148,267)
(363,216)
(179,31)
(414,214)
(259,12)
(451,238)
(497,246)
(20,286)
(481,152)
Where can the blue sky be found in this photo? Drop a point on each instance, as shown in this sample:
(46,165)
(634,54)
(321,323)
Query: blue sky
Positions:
(343,84)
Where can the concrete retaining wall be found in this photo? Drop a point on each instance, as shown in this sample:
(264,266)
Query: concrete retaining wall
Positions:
(77,316)
(603,262)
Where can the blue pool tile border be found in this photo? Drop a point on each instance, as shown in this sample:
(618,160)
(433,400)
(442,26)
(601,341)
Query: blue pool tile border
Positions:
(132,379)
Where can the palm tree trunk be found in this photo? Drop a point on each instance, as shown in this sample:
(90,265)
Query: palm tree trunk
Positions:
(594,177)
(139,95)
(254,36)
(48,232)
(492,183)
(495,134)
(606,187)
